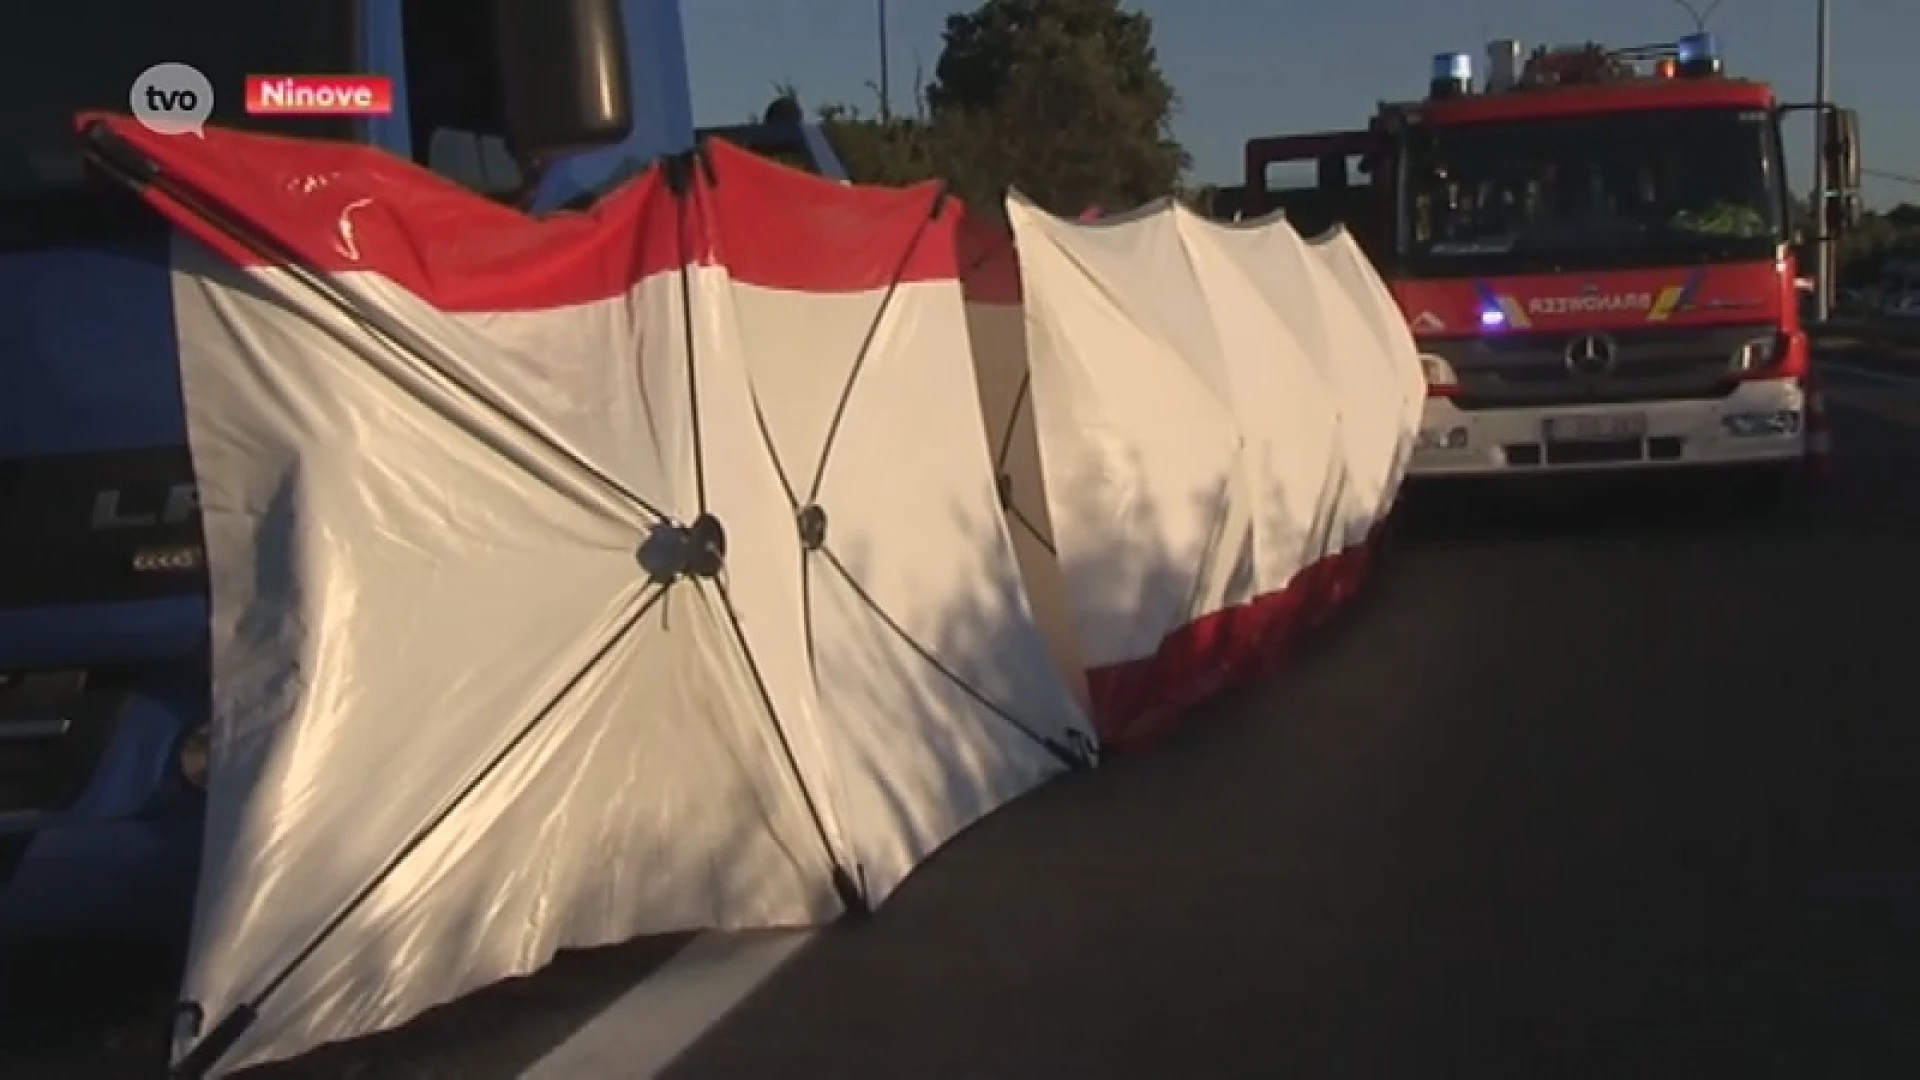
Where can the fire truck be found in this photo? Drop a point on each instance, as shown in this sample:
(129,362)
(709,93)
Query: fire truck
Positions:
(1594,249)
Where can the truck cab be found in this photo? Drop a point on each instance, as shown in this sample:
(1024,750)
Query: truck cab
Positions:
(103,582)
(1594,252)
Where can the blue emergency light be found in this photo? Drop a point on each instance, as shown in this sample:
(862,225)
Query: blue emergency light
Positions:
(1698,54)
(1452,75)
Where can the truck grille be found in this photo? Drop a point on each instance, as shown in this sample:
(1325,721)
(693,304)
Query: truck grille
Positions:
(92,528)
(54,727)
(1530,370)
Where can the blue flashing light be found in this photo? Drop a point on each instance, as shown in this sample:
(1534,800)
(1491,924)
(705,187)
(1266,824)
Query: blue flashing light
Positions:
(1695,48)
(1453,68)
(1698,54)
(1492,318)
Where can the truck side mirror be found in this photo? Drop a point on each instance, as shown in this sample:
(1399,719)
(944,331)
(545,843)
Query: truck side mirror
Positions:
(1844,212)
(1842,150)
(563,75)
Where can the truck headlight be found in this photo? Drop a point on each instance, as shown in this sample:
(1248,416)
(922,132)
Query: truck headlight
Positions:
(194,757)
(1437,370)
(1750,425)
(1760,354)
(1429,439)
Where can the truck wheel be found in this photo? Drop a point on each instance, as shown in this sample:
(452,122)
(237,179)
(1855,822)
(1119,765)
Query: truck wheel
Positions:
(1775,491)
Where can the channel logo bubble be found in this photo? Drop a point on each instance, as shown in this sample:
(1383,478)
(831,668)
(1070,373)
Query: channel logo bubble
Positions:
(172,99)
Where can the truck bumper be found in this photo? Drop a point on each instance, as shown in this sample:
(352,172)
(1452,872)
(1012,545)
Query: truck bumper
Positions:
(1759,423)
(131,879)
(124,859)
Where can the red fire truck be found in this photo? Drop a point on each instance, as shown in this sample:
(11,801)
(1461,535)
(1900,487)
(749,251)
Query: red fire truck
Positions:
(1595,252)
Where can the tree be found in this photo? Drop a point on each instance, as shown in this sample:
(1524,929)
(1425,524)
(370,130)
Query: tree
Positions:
(1861,253)
(1063,99)
(895,151)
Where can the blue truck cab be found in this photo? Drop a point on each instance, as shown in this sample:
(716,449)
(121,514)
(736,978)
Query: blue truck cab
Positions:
(103,582)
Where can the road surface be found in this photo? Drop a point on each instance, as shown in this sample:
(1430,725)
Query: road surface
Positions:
(1624,788)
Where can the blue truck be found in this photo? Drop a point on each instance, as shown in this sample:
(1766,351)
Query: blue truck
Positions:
(104,644)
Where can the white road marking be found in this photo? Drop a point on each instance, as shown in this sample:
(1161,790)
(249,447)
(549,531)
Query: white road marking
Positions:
(642,1033)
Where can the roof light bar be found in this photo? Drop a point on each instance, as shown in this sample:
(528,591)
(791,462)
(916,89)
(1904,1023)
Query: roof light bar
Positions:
(1698,54)
(1452,75)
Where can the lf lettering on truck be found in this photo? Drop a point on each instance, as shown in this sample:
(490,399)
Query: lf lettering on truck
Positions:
(103,576)
(1595,253)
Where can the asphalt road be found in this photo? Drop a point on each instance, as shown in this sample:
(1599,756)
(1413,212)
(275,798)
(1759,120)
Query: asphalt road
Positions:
(1615,788)
(1605,786)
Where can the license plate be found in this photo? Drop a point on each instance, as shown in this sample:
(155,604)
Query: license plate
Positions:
(1597,427)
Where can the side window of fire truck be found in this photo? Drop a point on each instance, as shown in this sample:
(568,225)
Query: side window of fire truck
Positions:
(453,95)
(473,160)
(1321,194)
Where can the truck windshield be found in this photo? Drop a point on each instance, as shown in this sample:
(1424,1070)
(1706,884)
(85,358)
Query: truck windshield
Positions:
(1593,192)
(85,54)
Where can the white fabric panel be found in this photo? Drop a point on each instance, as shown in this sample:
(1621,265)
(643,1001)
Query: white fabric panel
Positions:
(1333,333)
(1357,345)
(928,662)
(1288,414)
(1215,411)
(1142,454)
(423,581)
(998,333)
(427,558)
(426,581)
(1351,266)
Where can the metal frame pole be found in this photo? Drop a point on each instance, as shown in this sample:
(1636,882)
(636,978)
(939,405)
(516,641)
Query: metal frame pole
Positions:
(886,89)
(1823,94)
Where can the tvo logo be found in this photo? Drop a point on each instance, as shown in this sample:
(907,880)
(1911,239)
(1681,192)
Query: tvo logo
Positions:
(172,99)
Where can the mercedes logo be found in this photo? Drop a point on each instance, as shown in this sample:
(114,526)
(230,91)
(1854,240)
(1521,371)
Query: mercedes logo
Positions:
(1590,356)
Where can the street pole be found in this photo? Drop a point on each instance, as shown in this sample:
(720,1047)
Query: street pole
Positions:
(886,93)
(1823,95)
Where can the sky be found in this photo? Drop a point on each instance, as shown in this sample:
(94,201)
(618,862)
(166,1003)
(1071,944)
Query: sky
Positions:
(1245,68)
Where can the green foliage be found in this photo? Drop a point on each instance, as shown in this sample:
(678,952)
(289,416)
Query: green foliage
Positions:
(1863,251)
(895,151)
(1860,253)
(1062,99)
